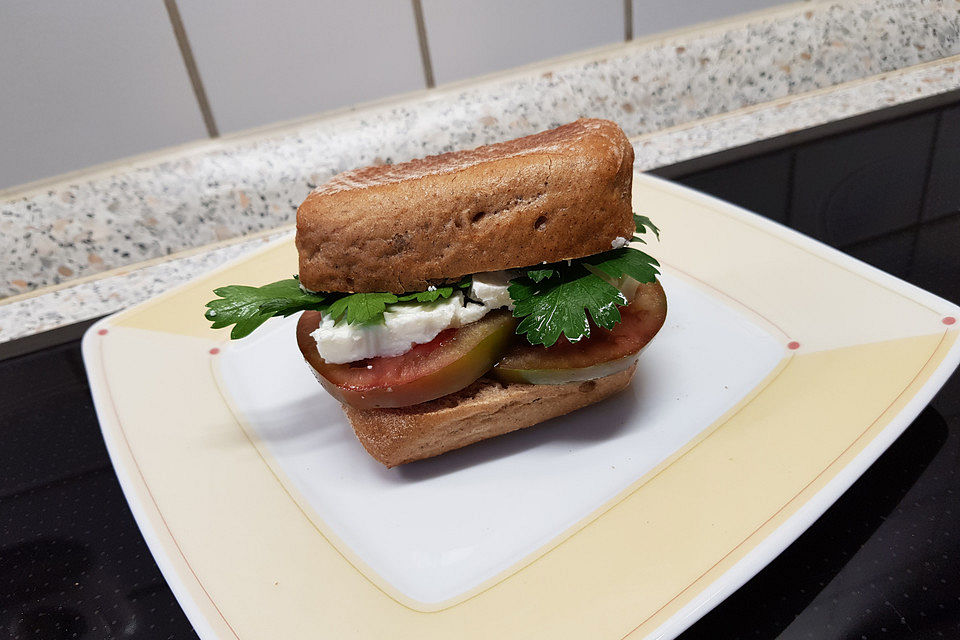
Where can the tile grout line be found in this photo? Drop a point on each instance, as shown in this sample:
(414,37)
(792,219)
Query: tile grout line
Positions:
(627,20)
(424,45)
(190,63)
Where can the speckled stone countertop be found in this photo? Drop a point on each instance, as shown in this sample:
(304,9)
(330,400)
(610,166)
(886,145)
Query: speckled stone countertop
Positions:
(681,96)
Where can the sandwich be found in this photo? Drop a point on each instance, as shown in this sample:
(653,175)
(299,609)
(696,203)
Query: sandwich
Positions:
(462,296)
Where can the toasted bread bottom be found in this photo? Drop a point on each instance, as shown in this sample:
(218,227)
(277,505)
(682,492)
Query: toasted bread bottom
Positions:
(485,409)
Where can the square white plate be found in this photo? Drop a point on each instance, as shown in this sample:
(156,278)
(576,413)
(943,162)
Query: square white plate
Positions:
(785,368)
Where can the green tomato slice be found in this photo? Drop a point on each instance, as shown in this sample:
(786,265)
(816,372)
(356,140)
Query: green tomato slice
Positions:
(451,361)
(604,353)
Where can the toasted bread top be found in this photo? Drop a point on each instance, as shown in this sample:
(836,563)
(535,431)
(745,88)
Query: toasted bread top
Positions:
(560,194)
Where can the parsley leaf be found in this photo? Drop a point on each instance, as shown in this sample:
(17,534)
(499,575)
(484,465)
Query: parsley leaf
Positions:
(361,308)
(557,299)
(540,274)
(249,307)
(642,224)
(432,295)
(560,305)
(625,261)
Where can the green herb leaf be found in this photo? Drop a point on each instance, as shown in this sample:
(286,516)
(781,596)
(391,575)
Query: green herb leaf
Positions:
(431,295)
(361,308)
(559,305)
(540,274)
(642,224)
(625,261)
(557,299)
(249,307)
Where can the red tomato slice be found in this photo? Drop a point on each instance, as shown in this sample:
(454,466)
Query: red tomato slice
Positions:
(448,363)
(605,352)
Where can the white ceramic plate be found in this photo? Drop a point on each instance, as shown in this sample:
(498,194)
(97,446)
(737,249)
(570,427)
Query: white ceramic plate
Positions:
(783,371)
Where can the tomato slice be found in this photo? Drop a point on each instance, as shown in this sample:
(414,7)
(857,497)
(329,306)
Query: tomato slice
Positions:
(448,363)
(605,352)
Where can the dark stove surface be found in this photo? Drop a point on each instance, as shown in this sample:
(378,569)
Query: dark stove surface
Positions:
(883,562)
(72,562)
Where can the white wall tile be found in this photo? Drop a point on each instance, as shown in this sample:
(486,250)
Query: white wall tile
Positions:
(654,16)
(86,82)
(469,38)
(262,62)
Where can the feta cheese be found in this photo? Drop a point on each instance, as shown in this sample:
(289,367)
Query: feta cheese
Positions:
(491,289)
(618,242)
(403,326)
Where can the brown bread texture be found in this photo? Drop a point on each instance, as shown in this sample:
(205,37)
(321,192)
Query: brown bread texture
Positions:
(560,194)
(485,409)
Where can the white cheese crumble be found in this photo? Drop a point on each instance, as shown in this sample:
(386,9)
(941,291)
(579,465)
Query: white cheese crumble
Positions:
(403,326)
(618,242)
(491,288)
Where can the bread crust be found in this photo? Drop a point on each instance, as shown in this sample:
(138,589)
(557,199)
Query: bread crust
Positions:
(485,409)
(560,194)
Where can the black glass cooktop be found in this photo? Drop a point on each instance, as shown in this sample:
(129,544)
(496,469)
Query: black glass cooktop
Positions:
(883,562)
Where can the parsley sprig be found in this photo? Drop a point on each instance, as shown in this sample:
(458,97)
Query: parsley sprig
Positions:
(642,224)
(249,307)
(555,299)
